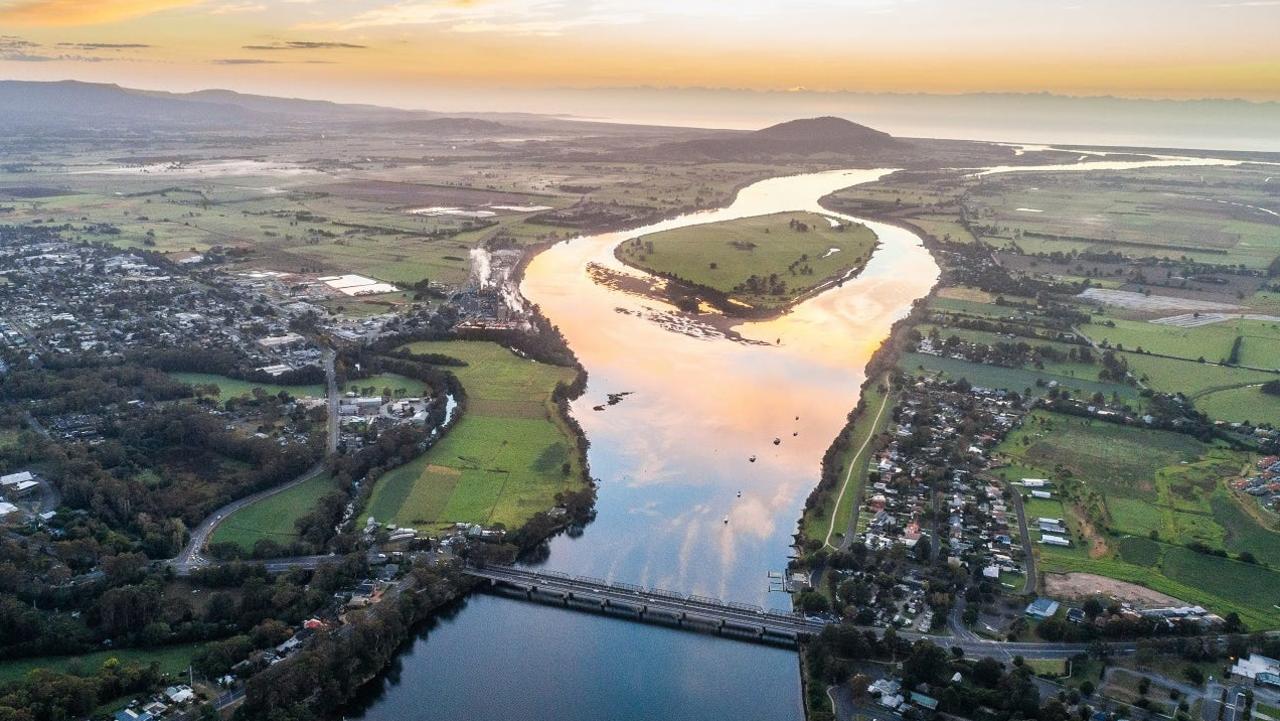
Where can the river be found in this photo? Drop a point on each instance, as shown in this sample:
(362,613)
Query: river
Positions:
(681,506)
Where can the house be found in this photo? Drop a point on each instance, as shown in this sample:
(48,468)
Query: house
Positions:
(926,702)
(1075,615)
(15,478)
(128,714)
(1052,540)
(884,687)
(1042,608)
(179,694)
(7,508)
(1034,482)
(1051,525)
(1041,494)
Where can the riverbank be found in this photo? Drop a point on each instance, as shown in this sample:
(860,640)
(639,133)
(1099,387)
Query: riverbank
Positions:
(675,454)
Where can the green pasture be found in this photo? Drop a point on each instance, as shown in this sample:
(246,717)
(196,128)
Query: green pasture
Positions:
(502,461)
(723,255)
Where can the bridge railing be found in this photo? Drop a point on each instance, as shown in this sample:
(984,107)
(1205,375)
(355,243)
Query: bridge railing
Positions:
(775,615)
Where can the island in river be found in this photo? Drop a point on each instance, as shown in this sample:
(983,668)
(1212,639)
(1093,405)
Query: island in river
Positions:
(751,267)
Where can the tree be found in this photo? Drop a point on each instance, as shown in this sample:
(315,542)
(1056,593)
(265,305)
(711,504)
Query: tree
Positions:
(927,663)
(858,685)
(814,602)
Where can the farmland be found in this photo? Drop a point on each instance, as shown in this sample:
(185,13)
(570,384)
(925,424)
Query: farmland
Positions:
(397,220)
(505,459)
(741,257)
(1136,500)
(1142,213)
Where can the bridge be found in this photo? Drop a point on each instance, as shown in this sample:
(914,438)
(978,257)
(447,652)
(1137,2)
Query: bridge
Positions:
(654,605)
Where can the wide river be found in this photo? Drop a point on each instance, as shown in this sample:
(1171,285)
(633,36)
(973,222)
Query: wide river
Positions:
(681,506)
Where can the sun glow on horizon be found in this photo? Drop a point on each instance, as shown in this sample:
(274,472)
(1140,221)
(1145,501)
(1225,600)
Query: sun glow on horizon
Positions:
(387,50)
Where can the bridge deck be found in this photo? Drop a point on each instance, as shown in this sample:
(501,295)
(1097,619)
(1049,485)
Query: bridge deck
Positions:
(680,607)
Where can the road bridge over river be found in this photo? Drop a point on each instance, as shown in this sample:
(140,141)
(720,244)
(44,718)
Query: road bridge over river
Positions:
(738,620)
(653,604)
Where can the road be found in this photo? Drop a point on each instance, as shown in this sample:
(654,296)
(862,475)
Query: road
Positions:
(1027,551)
(191,556)
(852,529)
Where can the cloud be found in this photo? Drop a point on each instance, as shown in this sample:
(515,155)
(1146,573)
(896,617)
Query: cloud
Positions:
(19,50)
(244,61)
(13,42)
(237,8)
(104,46)
(307,45)
(516,17)
(260,61)
(81,12)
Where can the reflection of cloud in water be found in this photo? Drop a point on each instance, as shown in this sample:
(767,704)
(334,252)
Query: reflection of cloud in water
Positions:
(703,406)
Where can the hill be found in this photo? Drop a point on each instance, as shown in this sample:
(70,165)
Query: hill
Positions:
(827,136)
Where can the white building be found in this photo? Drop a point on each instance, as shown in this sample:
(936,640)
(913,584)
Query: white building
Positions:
(1252,665)
(1052,540)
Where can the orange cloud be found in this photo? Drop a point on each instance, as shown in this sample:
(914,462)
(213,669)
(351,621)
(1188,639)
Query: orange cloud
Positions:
(81,12)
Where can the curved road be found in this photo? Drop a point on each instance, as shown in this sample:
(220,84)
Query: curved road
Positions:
(190,558)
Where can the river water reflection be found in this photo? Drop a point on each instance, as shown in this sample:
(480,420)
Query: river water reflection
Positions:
(673,458)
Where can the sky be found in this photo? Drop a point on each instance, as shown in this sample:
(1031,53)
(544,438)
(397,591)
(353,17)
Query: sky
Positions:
(408,52)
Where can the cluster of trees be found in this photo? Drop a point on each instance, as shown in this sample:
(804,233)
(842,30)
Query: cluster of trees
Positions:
(46,695)
(82,384)
(329,671)
(176,462)
(222,362)
(773,284)
(832,658)
(1115,368)
(1006,354)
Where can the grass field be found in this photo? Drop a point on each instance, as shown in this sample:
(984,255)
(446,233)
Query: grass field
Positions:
(273,517)
(172,660)
(1133,498)
(1260,347)
(501,462)
(817,521)
(724,255)
(1247,403)
(233,388)
(398,385)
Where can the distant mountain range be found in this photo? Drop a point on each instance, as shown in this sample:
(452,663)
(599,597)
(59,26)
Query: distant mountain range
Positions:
(98,104)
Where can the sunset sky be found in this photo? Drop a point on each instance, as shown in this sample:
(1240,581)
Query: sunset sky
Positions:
(396,52)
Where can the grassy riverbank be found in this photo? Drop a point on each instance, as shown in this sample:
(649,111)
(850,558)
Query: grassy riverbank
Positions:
(827,520)
(504,460)
(761,263)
